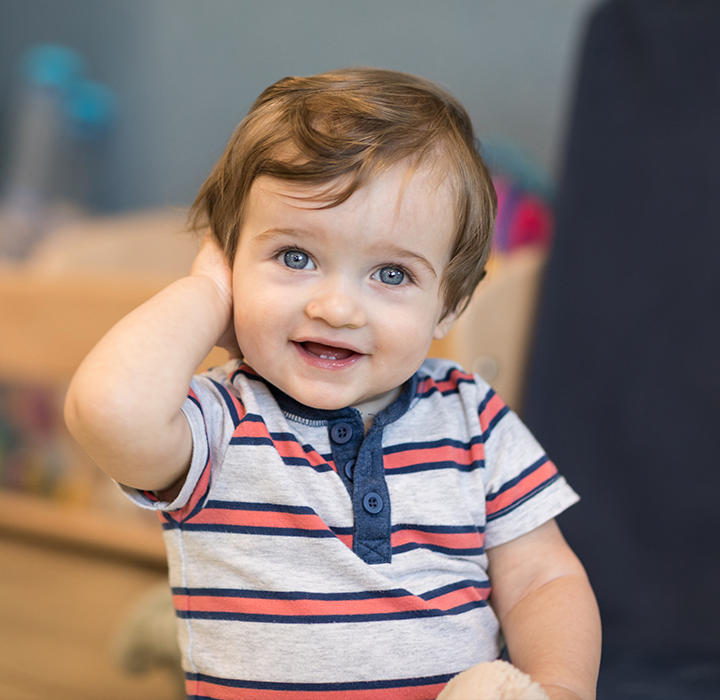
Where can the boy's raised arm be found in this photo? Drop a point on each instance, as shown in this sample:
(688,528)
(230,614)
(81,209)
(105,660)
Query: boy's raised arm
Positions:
(124,402)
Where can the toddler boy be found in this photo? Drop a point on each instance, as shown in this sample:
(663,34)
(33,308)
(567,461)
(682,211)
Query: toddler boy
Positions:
(343,518)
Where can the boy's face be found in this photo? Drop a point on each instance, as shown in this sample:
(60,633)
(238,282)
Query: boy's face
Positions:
(337,307)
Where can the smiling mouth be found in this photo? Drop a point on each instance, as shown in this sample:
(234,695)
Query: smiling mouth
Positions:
(327,356)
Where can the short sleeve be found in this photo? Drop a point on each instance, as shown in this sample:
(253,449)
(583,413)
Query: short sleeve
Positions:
(209,417)
(523,488)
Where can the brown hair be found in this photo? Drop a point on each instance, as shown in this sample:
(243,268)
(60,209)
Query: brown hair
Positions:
(341,129)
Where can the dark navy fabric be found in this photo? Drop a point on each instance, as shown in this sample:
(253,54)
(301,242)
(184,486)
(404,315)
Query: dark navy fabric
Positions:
(624,383)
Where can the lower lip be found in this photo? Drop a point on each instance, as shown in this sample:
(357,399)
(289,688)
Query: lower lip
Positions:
(323,363)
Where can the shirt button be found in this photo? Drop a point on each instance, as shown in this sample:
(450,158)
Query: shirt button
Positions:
(349,466)
(373,503)
(341,433)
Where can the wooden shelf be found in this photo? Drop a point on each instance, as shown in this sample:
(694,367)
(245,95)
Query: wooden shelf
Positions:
(82,529)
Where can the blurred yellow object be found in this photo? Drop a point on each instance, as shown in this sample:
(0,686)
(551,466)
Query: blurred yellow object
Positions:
(494,335)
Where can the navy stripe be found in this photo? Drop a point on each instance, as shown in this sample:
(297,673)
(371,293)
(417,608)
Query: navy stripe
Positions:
(262,507)
(526,497)
(329,619)
(447,378)
(284,437)
(289,461)
(301,462)
(201,501)
(497,418)
(440,529)
(445,392)
(245,373)
(459,585)
(225,394)
(435,466)
(320,687)
(248,440)
(421,466)
(410,546)
(250,530)
(486,400)
(514,482)
(431,445)
(334,597)
(197,403)
(290,595)
(343,531)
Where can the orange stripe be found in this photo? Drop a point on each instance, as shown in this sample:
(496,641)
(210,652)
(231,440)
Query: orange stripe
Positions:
(198,493)
(544,472)
(260,518)
(251,428)
(291,448)
(445,453)
(312,608)
(452,383)
(305,607)
(445,384)
(462,540)
(347,540)
(492,408)
(455,599)
(220,692)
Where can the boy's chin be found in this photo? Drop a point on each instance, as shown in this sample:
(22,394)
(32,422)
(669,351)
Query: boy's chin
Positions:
(323,404)
(322,400)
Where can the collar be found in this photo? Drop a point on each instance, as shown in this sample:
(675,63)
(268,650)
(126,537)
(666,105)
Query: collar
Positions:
(294,409)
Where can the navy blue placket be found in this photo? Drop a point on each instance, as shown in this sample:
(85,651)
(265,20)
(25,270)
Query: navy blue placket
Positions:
(372,526)
(358,458)
(346,434)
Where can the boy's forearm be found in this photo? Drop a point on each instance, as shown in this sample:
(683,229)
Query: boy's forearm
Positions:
(124,402)
(553,634)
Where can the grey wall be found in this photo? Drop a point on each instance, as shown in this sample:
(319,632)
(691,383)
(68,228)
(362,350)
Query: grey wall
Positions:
(186,71)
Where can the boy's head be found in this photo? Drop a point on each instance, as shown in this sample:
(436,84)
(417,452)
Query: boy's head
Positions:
(335,133)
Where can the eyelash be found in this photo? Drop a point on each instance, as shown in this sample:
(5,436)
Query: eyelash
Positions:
(409,277)
(280,253)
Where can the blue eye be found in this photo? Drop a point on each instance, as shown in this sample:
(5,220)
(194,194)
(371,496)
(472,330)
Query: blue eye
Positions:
(297,260)
(391,275)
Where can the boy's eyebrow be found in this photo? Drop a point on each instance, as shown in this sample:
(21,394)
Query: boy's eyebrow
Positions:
(394,251)
(271,233)
(389,249)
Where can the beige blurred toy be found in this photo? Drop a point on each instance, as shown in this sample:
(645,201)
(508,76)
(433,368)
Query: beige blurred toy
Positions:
(496,680)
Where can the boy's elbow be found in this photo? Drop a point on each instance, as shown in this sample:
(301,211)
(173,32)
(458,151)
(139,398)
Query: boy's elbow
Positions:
(124,438)
(86,416)
(98,420)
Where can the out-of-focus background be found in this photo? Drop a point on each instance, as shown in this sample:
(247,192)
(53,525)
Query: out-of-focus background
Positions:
(598,321)
(184,72)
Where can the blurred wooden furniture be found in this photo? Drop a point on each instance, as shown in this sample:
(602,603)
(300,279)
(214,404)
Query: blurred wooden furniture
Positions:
(69,575)
(68,580)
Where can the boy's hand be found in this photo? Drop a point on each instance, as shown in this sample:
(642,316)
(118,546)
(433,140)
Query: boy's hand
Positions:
(211,262)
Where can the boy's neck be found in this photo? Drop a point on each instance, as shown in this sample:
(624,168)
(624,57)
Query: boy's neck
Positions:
(369,409)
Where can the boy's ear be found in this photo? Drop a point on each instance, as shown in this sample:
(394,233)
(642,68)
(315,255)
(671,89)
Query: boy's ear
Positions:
(444,325)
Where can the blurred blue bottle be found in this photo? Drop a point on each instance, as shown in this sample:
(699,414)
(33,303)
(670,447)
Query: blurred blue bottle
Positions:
(58,112)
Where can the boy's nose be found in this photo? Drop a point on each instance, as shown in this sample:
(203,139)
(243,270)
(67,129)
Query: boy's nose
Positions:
(336,305)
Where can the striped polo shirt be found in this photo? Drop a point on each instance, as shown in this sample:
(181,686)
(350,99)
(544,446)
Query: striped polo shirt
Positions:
(312,560)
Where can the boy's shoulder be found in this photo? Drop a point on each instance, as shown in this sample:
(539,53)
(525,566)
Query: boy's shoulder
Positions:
(447,376)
